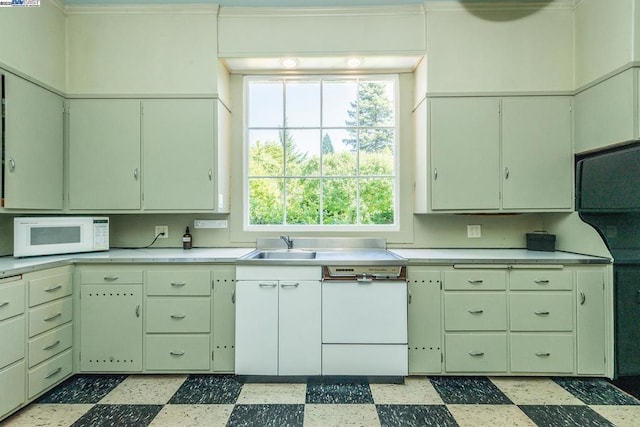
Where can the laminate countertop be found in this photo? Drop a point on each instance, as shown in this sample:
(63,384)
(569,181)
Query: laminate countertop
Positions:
(10,266)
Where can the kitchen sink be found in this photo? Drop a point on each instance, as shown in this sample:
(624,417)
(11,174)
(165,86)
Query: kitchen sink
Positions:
(283,254)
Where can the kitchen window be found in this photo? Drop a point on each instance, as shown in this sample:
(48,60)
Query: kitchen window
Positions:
(321,151)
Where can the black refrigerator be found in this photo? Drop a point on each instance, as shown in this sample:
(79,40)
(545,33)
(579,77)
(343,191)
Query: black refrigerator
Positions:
(608,198)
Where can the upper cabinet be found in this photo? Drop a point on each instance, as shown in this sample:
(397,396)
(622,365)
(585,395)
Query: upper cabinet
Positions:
(155,154)
(486,154)
(33,146)
(180,140)
(104,154)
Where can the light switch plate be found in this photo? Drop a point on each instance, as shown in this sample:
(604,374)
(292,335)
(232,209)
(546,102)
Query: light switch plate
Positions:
(474,231)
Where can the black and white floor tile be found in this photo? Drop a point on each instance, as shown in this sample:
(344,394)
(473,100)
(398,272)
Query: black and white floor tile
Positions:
(226,400)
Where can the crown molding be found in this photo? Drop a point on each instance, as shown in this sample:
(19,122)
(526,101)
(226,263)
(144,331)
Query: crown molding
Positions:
(147,9)
(230,11)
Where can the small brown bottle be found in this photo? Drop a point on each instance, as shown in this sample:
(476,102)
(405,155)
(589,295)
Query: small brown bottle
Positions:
(187,240)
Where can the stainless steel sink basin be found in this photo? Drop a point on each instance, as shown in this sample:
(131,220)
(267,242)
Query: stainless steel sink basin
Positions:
(283,254)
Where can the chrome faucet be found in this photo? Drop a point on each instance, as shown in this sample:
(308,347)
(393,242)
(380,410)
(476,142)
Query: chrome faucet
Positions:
(288,241)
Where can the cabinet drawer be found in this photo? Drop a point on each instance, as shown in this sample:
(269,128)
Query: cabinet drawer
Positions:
(11,299)
(475,311)
(475,352)
(541,311)
(50,373)
(50,344)
(13,384)
(100,277)
(546,280)
(475,280)
(49,316)
(11,341)
(48,288)
(542,353)
(177,352)
(178,282)
(178,315)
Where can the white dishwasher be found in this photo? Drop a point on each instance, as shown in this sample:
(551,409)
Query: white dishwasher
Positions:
(364,320)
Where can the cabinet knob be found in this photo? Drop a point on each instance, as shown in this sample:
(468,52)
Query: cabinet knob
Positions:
(4,304)
(476,353)
(135,173)
(543,354)
(12,164)
(178,284)
(506,173)
(177,353)
(178,316)
(210,174)
(541,313)
(476,311)
(53,288)
(435,174)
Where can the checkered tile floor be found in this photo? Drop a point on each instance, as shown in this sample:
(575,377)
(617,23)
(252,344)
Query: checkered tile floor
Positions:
(223,400)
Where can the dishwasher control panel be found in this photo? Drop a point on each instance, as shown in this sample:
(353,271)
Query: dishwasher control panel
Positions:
(387,272)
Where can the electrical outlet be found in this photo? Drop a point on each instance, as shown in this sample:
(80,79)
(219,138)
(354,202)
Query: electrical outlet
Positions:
(162,229)
(474,231)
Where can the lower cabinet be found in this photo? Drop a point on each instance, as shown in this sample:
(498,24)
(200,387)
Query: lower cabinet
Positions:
(424,326)
(509,320)
(12,341)
(223,340)
(110,319)
(278,322)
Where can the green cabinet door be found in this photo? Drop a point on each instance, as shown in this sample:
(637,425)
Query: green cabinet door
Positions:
(424,325)
(178,141)
(224,322)
(590,329)
(104,154)
(34,146)
(537,153)
(111,328)
(465,153)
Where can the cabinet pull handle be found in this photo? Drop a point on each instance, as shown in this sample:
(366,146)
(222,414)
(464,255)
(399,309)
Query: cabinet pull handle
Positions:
(210,174)
(541,281)
(4,304)
(543,354)
(178,284)
(409,297)
(178,316)
(56,372)
(583,298)
(364,280)
(267,285)
(53,289)
(476,353)
(135,174)
(12,164)
(50,346)
(138,310)
(177,353)
(233,297)
(54,317)
(111,278)
(435,174)
(290,285)
(475,282)
(476,311)
(541,313)
(506,173)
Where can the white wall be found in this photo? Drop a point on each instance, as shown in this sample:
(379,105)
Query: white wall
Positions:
(493,49)
(32,42)
(604,32)
(260,32)
(142,50)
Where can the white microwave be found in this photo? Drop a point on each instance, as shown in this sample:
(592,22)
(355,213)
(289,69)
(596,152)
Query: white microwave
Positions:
(59,235)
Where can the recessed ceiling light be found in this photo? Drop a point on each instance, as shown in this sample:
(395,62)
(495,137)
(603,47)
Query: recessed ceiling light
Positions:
(289,63)
(354,62)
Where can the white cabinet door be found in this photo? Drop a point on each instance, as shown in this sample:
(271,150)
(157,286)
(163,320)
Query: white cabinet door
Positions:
(34,146)
(299,342)
(257,328)
(537,153)
(591,324)
(178,141)
(465,153)
(104,154)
